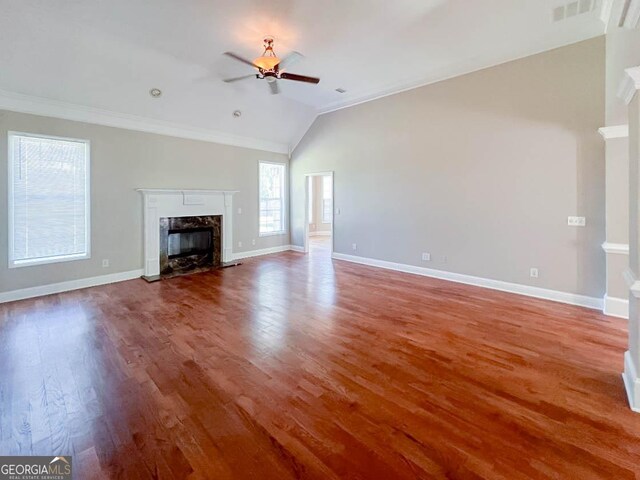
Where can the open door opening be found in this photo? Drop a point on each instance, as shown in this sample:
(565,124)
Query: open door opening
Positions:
(319,218)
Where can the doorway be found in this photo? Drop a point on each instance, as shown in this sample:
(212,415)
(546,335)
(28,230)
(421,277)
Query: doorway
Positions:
(319,213)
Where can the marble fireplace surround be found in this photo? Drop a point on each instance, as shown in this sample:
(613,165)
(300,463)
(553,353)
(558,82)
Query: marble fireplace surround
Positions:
(160,202)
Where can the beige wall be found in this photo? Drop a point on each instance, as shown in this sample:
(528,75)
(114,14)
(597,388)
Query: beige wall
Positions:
(121,161)
(481,171)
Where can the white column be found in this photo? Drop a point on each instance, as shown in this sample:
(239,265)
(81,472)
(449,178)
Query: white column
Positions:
(628,92)
(227,228)
(616,246)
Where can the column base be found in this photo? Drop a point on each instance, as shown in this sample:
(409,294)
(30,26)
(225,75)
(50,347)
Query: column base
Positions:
(631,382)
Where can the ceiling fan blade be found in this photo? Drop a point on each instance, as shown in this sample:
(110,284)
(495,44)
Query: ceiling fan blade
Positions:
(289,60)
(273,86)
(240,59)
(299,78)
(235,79)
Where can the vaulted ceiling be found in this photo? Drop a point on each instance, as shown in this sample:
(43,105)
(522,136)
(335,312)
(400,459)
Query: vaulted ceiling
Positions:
(100,58)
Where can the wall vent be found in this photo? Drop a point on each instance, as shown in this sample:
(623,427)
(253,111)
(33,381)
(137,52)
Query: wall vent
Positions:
(573,8)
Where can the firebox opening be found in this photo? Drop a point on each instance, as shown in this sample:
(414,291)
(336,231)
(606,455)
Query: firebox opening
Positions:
(191,241)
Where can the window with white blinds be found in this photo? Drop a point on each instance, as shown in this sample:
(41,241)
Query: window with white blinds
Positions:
(48,199)
(271,186)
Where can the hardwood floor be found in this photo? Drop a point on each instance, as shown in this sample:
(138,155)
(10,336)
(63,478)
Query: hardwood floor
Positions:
(294,366)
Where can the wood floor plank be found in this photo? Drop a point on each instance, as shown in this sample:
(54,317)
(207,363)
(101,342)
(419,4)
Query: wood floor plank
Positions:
(297,366)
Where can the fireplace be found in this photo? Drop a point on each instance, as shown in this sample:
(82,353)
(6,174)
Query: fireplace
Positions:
(189,244)
(164,205)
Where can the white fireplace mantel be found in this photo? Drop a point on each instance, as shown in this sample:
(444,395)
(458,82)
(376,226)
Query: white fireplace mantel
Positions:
(165,202)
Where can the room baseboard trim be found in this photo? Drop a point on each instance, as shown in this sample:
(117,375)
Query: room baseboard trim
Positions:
(81,283)
(616,307)
(527,290)
(46,107)
(260,252)
(631,383)
(320,233)
(615,131)
(617,248)
(296,248)
(69,285)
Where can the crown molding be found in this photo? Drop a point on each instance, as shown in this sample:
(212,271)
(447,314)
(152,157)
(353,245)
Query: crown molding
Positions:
(617,248)
(17,102)
(614,131)
(605,13)
(629,84)
(631,16)
(632,282)
(463,68)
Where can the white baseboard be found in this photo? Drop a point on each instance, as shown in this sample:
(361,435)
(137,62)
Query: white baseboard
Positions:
(537,292)
(320,233)
(616,307)
(260,252)
(631,382)
(68,285)
(296,248)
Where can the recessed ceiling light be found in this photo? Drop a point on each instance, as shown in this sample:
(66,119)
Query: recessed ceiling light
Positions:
(237,113)
(155,92)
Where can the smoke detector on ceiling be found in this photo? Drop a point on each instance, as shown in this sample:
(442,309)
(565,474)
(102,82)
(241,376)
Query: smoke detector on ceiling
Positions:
(155,92)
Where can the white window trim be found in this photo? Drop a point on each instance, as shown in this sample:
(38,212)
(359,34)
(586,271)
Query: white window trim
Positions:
(285,200)
(54,259)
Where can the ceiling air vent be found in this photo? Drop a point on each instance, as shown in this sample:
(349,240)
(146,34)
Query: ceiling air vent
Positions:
(574,8)
(341,90)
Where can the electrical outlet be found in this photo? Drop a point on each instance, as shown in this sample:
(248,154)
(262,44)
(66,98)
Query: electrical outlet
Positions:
(426,257)
(239,244)
(576,221)
(533,272)
(444,259)
(105,263)
(354,247)
(253,242)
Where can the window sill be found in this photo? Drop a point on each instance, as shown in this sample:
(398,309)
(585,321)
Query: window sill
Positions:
(272,234)
(48,260)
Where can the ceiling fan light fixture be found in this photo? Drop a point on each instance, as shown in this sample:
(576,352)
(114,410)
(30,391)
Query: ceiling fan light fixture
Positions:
(268,60)
(267,63)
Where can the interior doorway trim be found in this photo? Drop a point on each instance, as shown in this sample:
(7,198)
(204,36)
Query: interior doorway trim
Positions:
(306,206)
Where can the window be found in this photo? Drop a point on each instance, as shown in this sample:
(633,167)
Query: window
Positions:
(310,206)
(271,198)
(327,193)
(48,199)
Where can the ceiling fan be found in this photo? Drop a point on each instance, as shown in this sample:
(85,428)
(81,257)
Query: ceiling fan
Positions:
(270,67)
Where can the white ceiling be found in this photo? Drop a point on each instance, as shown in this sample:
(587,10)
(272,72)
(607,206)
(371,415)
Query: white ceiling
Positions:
(108,54)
